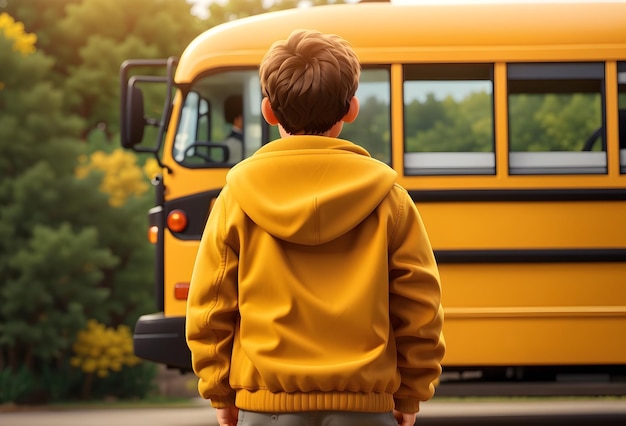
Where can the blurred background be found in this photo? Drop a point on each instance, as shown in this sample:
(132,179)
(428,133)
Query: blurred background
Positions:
(76,267)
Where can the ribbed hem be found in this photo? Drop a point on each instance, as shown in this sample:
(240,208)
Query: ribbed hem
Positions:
(280,402)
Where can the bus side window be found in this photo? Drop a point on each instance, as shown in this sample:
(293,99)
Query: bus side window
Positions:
(621,100)
(556,118)
(372,128)
(449,119)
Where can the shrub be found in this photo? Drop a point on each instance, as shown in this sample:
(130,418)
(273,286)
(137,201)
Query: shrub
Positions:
(100,351)
(15,385)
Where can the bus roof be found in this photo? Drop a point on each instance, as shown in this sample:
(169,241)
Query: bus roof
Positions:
(427,31)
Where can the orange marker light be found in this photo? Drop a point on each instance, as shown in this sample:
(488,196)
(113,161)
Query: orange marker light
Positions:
(177,221)
(181,291)
(153,234)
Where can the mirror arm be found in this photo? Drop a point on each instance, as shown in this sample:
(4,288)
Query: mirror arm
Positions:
(152,122)
(161,164)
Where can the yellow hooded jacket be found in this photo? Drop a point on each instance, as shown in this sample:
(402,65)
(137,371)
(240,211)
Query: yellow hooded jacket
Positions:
(315,286)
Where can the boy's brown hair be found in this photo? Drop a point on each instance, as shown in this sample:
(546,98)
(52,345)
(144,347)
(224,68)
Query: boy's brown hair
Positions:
(309,80)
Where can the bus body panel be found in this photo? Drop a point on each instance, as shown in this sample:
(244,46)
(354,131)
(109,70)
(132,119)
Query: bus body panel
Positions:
(525,225)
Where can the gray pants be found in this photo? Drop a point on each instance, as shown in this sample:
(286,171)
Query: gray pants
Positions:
(316,418)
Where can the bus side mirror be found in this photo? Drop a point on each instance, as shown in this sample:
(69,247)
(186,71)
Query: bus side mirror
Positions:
(134,123)
(132,112)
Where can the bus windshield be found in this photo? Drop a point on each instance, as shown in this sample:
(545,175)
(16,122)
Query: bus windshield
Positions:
(203,137)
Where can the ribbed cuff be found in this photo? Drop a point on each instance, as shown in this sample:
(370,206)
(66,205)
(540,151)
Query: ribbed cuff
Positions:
(266,401)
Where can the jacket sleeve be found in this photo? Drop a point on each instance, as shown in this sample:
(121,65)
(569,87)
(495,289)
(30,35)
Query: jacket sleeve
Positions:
(212,310)
(415,308)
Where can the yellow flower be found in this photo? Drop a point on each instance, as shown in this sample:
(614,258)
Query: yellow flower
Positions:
(22,42)
(89,366)
(122,179)
(99,349)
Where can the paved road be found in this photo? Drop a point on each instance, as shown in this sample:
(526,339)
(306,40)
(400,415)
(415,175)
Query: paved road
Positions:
(596,412)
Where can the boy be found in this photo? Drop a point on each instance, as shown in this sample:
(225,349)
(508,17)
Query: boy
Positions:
(315,297)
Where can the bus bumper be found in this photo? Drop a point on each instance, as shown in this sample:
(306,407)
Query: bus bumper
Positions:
(162,339)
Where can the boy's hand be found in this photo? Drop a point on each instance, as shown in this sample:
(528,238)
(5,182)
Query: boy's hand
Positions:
(405,419)
(227,416)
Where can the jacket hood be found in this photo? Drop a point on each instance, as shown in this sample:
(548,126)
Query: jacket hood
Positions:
(309,189)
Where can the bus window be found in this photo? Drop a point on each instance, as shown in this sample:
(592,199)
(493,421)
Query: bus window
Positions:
(372,128)
(448,119)
(621,100)
(194,117)
(556,118)
(203,137)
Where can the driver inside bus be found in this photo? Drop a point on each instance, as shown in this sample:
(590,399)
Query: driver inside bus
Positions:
(233,114)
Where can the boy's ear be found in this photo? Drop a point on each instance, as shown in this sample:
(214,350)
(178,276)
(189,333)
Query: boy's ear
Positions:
(353,112)
(268,112)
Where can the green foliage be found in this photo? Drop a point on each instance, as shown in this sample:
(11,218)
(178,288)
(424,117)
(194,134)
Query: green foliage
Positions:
(371,129)
(129,383)
(60,382)
(49,269)
(56,382)
(99,48)
(15,385)
(219,12)
(40,17)
(32,124)
(235,9)
(450,126)
(546,122)
(66,255)
(553,122)
(52,286)
(90,39)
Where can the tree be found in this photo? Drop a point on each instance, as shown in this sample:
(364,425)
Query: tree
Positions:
(49,267)
(51,292)
(66,254)
(99,46)
(371,129)
(90,39)
(449,125)
(40,17)
(100,351)
(220,12)
(83,79)
(554,122)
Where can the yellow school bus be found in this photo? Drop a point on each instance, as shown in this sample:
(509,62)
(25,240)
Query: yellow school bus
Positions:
(504,120)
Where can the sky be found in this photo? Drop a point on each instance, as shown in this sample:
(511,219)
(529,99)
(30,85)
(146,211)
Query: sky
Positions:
(199,7)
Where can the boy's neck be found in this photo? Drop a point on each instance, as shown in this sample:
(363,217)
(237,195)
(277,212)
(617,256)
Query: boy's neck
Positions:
(333,132)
